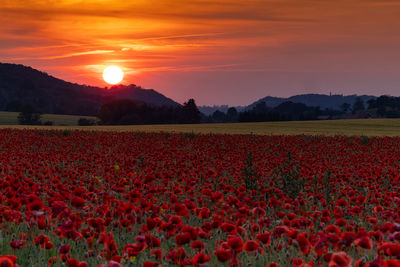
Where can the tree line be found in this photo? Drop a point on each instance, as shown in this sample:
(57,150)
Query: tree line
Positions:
(125,112)
(287,111)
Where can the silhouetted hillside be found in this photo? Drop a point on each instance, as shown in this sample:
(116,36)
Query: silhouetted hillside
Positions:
(313,100)
(20,84)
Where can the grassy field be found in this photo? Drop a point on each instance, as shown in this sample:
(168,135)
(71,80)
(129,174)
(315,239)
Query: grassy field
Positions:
(11,118)
(367,127)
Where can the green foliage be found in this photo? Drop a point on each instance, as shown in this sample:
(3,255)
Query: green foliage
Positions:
(288,178)
(326,182)
(365,140)
(250,173)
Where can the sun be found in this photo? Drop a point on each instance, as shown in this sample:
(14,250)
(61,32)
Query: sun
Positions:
(113,75)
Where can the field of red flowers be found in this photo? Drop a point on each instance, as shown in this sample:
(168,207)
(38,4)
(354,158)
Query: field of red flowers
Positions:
(86,198)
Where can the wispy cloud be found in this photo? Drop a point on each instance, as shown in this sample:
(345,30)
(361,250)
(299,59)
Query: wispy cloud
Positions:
(95,52)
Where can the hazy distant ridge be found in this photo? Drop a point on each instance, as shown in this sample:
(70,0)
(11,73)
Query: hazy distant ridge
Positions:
(313,100)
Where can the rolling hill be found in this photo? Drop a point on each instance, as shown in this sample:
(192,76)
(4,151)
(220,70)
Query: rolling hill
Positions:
(21,84)
(313,100)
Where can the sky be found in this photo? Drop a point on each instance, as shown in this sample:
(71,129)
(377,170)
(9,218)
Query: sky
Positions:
(215,51)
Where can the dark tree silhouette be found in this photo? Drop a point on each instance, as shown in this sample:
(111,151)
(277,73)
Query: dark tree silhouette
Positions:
(345,107)
(86,122)
(261,108)
(285,111)
(126,111)
(29,115)
(218,116)
(386,106)
(358,105)
(190,112)
(232,114)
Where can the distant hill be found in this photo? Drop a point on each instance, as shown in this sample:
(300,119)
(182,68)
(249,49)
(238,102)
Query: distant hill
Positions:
(21,84)
(313,100)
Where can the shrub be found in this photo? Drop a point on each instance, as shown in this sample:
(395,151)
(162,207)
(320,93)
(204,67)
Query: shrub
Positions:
(48,123)
(29,115)
(86,122)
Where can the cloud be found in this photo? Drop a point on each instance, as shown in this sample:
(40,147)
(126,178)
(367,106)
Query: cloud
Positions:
(94,52)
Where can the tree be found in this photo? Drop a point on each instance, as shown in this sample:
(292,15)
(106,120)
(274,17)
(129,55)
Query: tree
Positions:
(345,107)
(190,112)
(125,112)
(29,115)
(261,108)
(86,122)
(218,116)
(358,105)
(232,114)
(113,112)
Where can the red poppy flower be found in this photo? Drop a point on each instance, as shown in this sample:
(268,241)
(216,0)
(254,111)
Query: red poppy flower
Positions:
(223,255)
(78,202)
(250,246)
(235,243)
(340,259)
(7,262)
(391,263)
(48,245)
(200,258)
(64,249)
(17,244)
(264,238)
(152,241)
(363,242)
(183,239)
(304,244)
(76,263)
(390,249)
(157,253)
(228,227)
(199,245)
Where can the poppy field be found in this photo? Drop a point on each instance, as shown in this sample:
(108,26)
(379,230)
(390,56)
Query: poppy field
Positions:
(92,198)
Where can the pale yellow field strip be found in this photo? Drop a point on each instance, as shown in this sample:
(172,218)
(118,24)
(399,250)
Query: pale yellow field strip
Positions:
(367,127)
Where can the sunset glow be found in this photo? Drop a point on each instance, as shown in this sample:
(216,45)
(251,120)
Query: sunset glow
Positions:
(113,75)
(223,52)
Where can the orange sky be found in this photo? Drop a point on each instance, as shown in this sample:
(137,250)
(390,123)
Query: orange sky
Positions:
(218,52)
